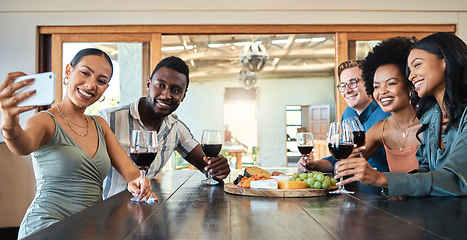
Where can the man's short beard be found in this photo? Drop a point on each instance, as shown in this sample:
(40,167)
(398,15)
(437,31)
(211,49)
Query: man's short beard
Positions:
(152,106)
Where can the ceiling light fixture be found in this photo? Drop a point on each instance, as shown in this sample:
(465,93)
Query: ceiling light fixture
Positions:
(254,57)
(247,79)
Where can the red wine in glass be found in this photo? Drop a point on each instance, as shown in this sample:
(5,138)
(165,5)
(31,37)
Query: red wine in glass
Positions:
(305,150)
(143,159)
(357,130)
(359,138)
(305,145)
(211,150)
(143,151)
(211,143)
(340,144)
(341,150)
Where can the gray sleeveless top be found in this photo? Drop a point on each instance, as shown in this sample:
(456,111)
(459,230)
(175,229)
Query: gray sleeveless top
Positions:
(68,180)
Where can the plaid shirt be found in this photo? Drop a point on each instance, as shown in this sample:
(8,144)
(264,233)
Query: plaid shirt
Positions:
(173,135)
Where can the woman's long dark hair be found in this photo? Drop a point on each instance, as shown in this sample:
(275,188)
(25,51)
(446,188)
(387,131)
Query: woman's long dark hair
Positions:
(453,50)
(91,51)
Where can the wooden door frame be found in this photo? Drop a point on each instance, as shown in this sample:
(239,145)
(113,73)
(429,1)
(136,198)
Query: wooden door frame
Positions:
(153,34)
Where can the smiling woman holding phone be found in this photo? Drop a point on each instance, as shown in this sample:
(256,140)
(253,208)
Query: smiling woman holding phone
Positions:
(72,152)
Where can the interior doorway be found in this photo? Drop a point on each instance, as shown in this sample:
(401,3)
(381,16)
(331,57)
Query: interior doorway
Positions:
(240,121)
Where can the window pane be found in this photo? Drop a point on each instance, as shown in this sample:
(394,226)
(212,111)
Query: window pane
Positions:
(293,117)
(290,108)
(362,48)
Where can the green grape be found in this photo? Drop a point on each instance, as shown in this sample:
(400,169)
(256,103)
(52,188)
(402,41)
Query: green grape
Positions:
(320,177)
(324,185)
(310,175)
(295,175)
(303,176)
(328,181)
(307,183)
(298,179)
(317,185)
(310,182)
(333,181)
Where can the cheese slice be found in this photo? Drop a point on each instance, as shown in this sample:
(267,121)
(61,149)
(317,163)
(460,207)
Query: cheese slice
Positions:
(292,185)
(265,184)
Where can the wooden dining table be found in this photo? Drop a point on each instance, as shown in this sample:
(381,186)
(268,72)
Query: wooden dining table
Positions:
(187,209)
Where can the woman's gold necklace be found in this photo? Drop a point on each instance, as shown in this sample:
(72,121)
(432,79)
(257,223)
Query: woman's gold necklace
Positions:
(70,122)
(405,133)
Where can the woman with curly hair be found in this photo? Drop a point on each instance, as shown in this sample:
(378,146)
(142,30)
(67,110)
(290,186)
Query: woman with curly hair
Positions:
(386,80)
(437,67)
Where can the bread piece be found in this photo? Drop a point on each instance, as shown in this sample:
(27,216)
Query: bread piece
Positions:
(275,173)
(257,171)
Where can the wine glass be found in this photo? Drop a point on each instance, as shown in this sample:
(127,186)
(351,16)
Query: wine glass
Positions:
(305,143)
(211,143)
(143,150)
(357,130)
(340,143)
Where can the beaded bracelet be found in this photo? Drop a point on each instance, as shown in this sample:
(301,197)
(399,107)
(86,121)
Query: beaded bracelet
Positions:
(9,139)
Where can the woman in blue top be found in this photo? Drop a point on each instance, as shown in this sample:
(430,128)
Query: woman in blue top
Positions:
(437,67)
(72,151)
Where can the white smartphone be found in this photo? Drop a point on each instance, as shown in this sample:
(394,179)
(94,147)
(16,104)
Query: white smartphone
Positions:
(44,84)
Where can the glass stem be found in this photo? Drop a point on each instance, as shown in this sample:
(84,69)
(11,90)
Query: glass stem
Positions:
(341,187)
(143,174)
(210,173)
(305,158)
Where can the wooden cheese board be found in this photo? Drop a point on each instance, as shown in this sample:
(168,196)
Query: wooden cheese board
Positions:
(280,193)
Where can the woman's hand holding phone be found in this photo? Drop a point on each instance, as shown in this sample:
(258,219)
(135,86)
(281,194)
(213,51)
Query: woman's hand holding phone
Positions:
(44,87)
(20,93)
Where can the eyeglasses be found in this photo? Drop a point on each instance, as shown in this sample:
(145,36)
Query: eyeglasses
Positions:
(352,84)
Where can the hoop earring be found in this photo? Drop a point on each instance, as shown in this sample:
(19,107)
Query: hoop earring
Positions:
(101,100)
(65,81)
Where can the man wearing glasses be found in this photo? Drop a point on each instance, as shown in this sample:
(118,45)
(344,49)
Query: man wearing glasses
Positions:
(361,105)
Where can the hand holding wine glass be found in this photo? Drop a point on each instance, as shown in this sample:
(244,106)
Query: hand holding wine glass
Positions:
(357,130)
(211,143)
(305,144)
(340,143)
(143,151)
